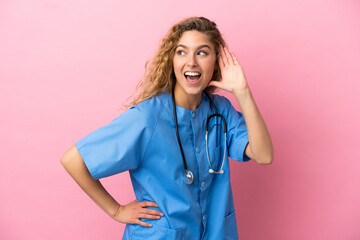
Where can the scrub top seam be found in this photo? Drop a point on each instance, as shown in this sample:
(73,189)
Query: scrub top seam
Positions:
(155,125)
(231,128)
(237,124)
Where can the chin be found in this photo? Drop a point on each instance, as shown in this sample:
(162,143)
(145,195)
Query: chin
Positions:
(194,91)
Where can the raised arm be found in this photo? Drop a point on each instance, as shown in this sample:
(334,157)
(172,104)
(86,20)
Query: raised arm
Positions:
(260,147)
(129,213)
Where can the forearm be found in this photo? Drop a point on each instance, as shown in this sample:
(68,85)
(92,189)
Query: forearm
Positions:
(259,137)
(93,188)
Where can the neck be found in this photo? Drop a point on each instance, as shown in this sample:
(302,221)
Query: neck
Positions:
(187,101)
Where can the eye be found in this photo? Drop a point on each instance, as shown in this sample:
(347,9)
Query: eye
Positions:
(180,52)
(202,53)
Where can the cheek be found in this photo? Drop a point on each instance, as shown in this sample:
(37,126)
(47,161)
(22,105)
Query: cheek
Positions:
(177,65)
(210,65)
(177,68)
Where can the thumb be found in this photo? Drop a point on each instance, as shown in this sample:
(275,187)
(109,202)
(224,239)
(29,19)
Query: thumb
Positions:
(214,84)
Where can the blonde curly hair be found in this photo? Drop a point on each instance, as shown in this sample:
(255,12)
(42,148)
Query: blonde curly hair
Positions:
(159,75)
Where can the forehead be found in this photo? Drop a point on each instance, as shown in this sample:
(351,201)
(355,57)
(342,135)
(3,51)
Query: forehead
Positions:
(194,38)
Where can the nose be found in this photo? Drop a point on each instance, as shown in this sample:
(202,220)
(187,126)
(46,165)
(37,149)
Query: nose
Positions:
(192,61)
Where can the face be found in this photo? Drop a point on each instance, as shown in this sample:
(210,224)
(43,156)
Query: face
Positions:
(194,63)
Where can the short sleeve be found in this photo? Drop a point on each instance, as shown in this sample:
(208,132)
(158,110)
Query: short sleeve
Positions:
(237,134)
(116,147)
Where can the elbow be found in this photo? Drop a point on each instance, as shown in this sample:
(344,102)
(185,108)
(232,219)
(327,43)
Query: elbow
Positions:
(266,160)
(264,155)
(269,157)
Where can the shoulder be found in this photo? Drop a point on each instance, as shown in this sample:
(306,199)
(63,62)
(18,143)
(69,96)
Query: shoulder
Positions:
(147,112)
(222,103)
(152,106)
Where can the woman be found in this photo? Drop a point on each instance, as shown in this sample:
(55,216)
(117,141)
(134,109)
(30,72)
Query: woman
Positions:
(181,180)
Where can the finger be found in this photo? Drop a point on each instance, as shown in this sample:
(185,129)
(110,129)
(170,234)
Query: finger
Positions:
(144,224)
(154,212)
(149,216)
(150,211)
(148,204)
(235,60)
(224,57)
(221,62)
(215,84)
(228,56)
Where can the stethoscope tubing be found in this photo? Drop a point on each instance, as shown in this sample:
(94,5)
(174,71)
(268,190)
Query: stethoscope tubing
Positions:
(189,175)
(177,131)
(211,170)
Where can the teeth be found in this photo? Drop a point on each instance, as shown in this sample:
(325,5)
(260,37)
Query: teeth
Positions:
(192,74)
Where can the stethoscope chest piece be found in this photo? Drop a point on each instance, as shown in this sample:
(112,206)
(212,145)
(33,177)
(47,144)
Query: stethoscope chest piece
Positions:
(188,177)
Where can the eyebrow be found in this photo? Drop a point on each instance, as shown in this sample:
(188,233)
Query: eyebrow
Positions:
(201,46)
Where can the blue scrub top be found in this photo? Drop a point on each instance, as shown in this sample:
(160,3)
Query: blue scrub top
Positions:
(143,141)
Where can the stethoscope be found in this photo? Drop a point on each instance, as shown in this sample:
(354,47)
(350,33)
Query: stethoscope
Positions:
(189,176)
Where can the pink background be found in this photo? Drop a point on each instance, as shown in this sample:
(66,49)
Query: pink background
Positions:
(66,67)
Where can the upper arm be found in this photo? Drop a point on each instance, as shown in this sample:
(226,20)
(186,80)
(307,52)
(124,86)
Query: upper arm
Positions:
(237,138)
(118,146)
(71,155)
(248,152)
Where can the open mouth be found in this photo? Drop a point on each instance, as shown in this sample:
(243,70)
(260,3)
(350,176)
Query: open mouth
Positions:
(192,77)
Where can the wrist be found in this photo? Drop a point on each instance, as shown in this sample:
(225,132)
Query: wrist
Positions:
(240,91)
(115,211)
(243,97)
